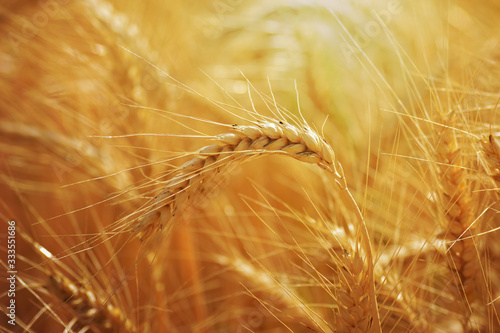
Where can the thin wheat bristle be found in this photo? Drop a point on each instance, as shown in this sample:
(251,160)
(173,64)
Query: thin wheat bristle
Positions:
(263,138)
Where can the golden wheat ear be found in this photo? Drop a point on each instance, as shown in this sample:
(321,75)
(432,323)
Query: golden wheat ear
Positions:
(87,309)
(263,138)
(458,220)
(353,295)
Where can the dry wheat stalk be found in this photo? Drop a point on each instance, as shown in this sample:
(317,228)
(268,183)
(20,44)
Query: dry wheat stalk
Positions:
(262,138)
(353,296)
(463,257)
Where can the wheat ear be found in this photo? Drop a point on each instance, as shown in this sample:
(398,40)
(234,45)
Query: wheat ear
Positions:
(353,295)
(246,141)
(463,260)
(88,308)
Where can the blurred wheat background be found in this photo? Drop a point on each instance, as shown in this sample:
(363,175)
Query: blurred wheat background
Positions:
(123,226)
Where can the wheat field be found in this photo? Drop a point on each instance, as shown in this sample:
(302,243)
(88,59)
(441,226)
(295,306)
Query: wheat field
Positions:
(250,166)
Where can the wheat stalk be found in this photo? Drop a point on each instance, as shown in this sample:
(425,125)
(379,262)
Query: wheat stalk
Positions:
(247,141)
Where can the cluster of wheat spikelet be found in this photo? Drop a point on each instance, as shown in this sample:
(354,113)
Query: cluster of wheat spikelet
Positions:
(246,166)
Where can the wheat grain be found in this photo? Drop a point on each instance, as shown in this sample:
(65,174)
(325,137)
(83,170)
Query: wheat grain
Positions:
(247,141)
